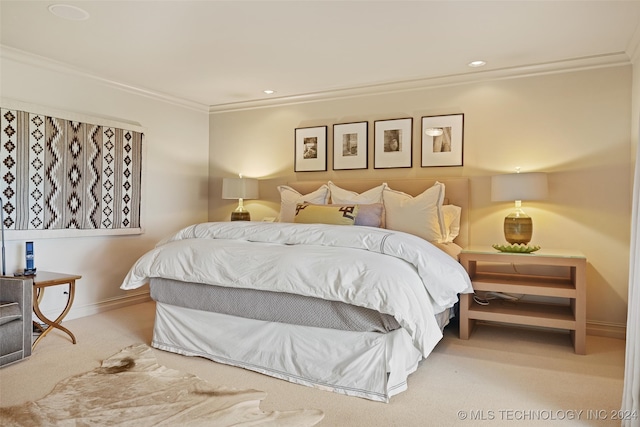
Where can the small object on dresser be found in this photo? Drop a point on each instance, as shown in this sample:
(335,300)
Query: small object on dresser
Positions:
(25,272)
(29,258)
(516,248)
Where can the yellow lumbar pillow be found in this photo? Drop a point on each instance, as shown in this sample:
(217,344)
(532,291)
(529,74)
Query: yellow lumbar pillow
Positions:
(307,213)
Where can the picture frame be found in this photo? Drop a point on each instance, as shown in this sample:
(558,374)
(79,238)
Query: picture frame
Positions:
(393,143)
(442,140)
(350,146)
(310,149)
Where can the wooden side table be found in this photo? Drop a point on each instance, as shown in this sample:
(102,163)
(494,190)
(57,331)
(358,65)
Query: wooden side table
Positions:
(570,286)
(41,281)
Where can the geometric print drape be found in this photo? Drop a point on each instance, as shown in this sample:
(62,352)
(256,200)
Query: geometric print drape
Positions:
(58,174)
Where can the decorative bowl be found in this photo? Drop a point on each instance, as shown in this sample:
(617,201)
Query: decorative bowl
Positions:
(516,248)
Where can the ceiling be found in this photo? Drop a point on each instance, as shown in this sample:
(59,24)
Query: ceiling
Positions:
(224,53)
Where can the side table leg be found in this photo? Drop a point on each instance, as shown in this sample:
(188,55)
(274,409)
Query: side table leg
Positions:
(55,323)
(579,306)
(466,324)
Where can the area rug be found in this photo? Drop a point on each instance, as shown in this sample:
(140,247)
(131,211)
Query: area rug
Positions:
(132,389)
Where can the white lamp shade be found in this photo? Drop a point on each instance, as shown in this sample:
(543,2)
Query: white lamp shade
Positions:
(519,186)
(239,188)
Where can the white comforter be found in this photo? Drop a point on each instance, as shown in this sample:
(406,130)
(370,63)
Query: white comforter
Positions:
(392,272)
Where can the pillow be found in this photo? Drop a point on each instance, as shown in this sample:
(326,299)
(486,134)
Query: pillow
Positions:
(290,197)
(370,215)
(420,215)
(342,196)
(306,213)
(451,216)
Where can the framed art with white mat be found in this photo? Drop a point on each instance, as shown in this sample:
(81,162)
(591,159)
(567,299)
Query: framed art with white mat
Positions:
(393,143)
(310,149)
(442,140)
(350,142)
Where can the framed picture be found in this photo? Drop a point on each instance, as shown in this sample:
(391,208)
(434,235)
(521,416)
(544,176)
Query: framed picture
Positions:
(393,143)
(350,141)
(310,149)
(442,138)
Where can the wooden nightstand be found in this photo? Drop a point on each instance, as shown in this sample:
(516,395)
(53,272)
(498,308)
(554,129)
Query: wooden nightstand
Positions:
(567,281)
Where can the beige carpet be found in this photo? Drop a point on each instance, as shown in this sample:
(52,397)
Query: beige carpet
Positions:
(132,389)
(497,372)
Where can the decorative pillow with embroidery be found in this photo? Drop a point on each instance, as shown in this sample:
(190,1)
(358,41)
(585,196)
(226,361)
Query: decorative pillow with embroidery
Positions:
(369,215)
(420,215)
(307,213)
(289,198)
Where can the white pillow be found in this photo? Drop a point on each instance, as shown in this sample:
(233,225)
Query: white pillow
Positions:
(451,215)
(420,215)
(341,196)
(289,198)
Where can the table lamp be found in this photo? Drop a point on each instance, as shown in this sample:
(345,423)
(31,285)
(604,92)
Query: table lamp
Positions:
(518,226)
(240,188)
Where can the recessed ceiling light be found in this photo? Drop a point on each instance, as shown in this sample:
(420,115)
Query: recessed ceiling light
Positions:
(269,91)
(66,11)
(476,64)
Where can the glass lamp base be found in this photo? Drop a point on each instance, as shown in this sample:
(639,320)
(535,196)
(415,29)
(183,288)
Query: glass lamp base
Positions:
(518,229)
(240,216)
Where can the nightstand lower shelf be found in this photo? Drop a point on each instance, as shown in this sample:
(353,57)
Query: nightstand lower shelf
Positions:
(523,313)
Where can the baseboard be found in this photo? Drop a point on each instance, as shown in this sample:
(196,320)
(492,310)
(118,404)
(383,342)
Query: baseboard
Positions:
(601,329)
(102,306)
(607,329)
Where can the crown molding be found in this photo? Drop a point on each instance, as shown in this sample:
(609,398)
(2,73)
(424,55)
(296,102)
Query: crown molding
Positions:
(571,65)
(14,104)
(27,58)
(565,66)
(633,50)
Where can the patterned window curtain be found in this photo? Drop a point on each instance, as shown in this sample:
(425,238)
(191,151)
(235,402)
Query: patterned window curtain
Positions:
(75,177)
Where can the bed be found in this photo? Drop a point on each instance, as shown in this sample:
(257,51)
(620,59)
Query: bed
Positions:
(347,292)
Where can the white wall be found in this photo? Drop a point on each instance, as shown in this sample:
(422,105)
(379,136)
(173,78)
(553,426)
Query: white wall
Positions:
(635,122)
(175,195)
(575,125)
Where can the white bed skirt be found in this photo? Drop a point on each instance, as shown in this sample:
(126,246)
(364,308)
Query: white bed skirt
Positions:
(371,365)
